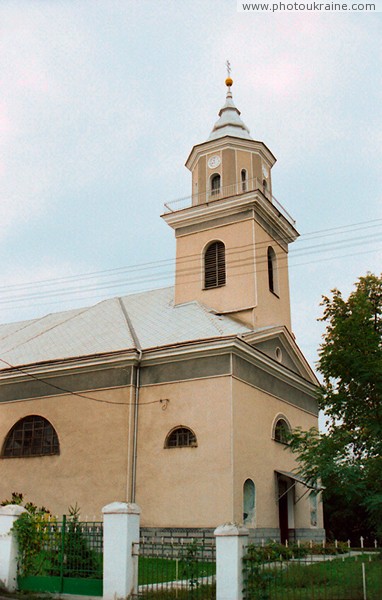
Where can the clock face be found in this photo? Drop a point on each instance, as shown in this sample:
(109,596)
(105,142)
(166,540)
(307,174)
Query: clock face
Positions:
(265,170)
(214,161)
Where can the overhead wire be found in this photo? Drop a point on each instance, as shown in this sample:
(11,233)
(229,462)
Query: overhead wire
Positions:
(98,296)
(236,253)
(86,396)
(99,290)
(189,265)
(239,260)
(171,261)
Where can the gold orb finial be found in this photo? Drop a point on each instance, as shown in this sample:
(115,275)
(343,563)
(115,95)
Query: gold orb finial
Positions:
(229,80)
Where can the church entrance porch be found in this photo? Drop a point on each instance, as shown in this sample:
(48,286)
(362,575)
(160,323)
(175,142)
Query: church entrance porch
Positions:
(283,511)
(285,498)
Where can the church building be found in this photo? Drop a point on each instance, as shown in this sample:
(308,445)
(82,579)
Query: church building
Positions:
(178,399)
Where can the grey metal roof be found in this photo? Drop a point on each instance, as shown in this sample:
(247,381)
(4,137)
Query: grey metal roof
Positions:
(103,328)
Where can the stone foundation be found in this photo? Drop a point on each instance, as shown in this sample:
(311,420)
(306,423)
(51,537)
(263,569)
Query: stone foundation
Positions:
(165,534)
(258,536)
(315,535)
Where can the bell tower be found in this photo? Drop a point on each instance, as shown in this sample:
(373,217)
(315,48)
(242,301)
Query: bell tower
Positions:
(232,236)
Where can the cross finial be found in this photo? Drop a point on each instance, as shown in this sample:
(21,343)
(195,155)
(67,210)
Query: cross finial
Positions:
(228,81)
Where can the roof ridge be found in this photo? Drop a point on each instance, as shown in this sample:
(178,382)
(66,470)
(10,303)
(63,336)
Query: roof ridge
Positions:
(129,323)
(209,312)
(166,287)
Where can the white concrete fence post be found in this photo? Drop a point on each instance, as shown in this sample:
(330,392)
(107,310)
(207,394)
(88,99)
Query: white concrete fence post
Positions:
(8,546)
(120,550)
(231,544)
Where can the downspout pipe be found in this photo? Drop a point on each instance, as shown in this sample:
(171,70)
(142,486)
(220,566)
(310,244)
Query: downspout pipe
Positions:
(136,401)
(135,434)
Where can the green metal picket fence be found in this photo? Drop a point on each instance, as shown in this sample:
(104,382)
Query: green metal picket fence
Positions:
(356,575)
(183,569)
(69,559)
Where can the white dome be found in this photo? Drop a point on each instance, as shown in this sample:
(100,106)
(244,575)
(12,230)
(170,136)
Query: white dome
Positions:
(229,122)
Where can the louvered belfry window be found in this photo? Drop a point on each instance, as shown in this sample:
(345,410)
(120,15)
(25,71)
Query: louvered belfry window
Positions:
(214,265)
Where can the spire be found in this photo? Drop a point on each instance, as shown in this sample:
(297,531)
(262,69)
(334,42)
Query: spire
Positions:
(229,122)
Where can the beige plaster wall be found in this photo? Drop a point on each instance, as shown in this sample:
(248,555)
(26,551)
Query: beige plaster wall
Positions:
(233,160)
(247,285)
(244,161)
(199,182)
(256,455)
(91,469)
(256,166)
(177,487)
(230,176)
(271,309)
(239,291)
(186,487)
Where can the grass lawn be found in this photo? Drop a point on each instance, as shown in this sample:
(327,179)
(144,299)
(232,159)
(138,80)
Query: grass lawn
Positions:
(201,593)
(159,570)
(338,579)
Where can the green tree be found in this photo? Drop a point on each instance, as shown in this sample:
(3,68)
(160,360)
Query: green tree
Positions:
(80,559)
(348,456)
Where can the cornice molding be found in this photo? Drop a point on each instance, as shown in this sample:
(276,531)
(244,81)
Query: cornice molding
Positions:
(274,368)
(280,331)
(234,205)
(72,366)
(164,355)
(234,345)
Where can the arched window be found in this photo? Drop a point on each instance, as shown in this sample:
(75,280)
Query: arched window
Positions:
(31,436)
(313,508)
(243,176)
(281,431)
(214,265)
(272,270)
(249,502)
(181,437)
(215,184)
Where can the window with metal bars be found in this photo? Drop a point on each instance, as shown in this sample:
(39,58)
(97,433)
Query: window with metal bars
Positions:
(31,436)
(181,437)
(215,184)
(214,265)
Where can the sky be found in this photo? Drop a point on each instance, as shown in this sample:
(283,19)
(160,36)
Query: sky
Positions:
(101,102)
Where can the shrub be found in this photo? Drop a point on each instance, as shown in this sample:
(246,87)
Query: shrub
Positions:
(32,530)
